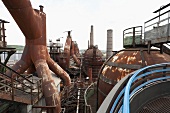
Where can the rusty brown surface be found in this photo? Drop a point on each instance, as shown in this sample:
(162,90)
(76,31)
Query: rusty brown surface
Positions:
(67,49)
(90,75)
(73,53)
(76,50)
(93,59)
(70,50)
(137,57)
(33,25)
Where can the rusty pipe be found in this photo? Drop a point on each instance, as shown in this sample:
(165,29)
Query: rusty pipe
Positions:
(50,91)
(27,19)
(33,25)
(76,50)
(59,71)
(72,52)
(67,49)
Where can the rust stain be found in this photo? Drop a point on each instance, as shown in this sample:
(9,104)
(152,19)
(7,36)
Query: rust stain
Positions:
(32,23)
(131,57)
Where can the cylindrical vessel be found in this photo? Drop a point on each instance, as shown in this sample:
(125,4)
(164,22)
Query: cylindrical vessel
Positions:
(122,63)
(93,59)
(109,43)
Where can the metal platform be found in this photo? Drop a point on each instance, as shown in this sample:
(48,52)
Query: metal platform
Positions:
(25,89)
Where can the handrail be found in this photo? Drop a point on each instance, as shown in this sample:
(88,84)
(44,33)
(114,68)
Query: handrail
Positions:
(127,91)
(131,80)
(15,72)
(132,28)
(85,94)
(16,81)
(157,16)
(135,31)
(161,8)
(13,83)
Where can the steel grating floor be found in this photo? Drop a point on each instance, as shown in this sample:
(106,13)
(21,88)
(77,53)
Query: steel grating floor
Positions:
(160,105)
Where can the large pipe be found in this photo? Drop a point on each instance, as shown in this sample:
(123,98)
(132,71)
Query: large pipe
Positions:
(109,43)
(35,55)
(67,49)
(73,53)
(31,19)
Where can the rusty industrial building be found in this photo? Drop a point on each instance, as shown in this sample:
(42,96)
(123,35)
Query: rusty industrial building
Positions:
(49,79)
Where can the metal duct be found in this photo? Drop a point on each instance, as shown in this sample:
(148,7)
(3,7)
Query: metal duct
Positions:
(32,23)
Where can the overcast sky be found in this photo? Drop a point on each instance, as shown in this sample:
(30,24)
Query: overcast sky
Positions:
(79,15)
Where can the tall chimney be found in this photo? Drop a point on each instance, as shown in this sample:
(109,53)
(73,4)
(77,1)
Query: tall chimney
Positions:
(109,43)
(91,37)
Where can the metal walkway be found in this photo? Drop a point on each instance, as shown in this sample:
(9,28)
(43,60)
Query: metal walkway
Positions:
(25,89)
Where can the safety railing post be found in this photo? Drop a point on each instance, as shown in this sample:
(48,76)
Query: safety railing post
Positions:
(31,95)
(12,82)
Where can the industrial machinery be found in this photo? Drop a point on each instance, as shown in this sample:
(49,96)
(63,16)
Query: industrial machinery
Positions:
(122,83)
(3,44)
(69,58)
(143,93)
(35,57)
(92,58)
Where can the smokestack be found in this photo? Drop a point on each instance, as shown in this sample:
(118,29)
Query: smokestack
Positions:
(109,43)
(91,36)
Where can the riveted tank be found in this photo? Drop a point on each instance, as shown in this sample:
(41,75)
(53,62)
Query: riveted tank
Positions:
(93,58)
(135,56)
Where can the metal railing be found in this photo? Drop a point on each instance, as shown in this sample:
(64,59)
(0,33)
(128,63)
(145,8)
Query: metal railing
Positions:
(151,23)
(132,36)
(137,81)
(19,85)
(91,88)
(159,21)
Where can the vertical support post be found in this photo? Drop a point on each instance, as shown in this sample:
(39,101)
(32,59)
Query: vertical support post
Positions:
(141,36)
(161,48)
(168,25)
(0,31)
(149,46)
(3,32)
(31,95)
(38,90)
(133,42)
(12,82)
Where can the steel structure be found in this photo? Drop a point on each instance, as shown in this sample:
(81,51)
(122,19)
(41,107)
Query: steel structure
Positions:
(128,95)
(35,57)
(24,89)
(137,53)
